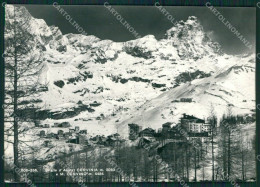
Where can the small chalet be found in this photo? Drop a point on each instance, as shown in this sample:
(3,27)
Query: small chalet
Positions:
(173,133)
(116,135)
(46,125)
(74,140)
(188,100)
(47,143)
(77,129)
(60,132)
(168,132)
(111,141)
(71,131)
(66,135)
(56,125)
(50,135)
(99,140)
(166,127)
(42,133)
(148,132)
(83,132)
(64,124)
(36,123)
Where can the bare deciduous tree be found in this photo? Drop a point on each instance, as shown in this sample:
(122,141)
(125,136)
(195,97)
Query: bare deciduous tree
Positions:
(22,68)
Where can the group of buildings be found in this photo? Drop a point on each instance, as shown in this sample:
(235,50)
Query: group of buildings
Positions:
(62,134)
(188,128)
(75,135)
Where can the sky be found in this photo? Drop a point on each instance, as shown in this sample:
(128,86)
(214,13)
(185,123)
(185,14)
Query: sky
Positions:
(148,20)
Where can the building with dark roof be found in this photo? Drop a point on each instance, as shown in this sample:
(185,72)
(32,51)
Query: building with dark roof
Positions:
(166,127)
(42,133)
(83,132)
(189,100)
(193,124)
(148,132)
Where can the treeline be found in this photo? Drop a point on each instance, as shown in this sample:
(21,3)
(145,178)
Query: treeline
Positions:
(226,155)
(236,149)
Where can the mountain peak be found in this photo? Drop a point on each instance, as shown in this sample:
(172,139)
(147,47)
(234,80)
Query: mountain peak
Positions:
(182,28)
(37,27)
(19,11)
(190,39)
(192,18)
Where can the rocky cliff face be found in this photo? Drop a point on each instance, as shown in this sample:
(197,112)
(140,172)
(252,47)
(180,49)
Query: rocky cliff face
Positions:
(135,78)
(190,40)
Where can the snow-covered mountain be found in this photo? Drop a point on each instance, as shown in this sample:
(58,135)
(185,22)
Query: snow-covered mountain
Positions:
(101,85)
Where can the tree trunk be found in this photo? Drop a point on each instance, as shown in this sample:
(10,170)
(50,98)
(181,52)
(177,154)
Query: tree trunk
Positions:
(242,159)
(15,148)
(212,152)
(224,157)
(229,155)
(187,163)
(195,165)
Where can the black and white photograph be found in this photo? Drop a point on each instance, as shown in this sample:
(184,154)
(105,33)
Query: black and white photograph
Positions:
(109,93)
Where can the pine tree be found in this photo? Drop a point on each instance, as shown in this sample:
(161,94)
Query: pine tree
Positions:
(213,129)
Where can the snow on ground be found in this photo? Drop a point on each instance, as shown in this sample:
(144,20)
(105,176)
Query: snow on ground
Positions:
(135,81)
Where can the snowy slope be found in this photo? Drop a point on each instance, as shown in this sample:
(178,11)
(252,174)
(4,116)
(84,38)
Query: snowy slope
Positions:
(232,87)
(136,81)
